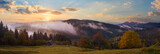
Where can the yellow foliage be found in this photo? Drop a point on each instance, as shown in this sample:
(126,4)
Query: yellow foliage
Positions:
(130,39)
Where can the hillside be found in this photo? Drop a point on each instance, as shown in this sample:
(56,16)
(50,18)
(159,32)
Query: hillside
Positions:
(72,28)
(90,27)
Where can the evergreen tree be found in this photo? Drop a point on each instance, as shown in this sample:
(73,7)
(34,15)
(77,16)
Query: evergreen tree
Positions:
(45,37)
(9,38)
(61,39)
(35,36)
(50,37)
(1,30)
(16,33)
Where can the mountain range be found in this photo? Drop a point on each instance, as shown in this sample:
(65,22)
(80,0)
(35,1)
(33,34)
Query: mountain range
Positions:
(138,26)
(75,28)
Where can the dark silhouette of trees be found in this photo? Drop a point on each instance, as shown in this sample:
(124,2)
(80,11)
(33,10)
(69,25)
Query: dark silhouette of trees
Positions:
(61,40)
(16,33)
(9,38)
(39,38)
(21,37)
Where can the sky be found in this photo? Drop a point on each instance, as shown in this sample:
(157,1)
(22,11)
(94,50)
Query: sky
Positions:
(110,11)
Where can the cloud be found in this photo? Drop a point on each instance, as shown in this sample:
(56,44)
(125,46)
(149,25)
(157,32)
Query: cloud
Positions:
(56,12)
(156,4)
(139,18)
(5,6)
(100,14)
(153,13)
(106,9)
(26,2)
(24,9)
(58,26)
(49,11)
(128,4)
(69,9)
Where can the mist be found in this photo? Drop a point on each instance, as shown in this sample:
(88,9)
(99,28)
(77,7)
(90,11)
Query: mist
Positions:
(43,27)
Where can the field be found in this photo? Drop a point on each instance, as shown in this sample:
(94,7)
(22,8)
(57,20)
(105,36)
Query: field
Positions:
(73,50)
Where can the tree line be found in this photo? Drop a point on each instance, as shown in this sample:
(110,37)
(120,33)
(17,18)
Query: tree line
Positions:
(21,37)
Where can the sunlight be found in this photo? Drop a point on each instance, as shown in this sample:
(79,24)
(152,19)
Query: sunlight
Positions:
(47,19)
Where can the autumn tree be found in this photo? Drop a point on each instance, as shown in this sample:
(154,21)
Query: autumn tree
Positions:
(98,41)
(84,42)
(130,39)
(23,37)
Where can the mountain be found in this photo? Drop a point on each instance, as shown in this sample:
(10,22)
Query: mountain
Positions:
(72,28)
(90,27)
(138,26)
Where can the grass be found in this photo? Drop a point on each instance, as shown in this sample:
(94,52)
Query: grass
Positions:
(155,49)
(73,50)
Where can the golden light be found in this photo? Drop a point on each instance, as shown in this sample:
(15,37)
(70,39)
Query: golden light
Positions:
(47,19)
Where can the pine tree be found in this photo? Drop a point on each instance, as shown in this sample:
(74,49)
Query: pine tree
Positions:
(9,38)
(1,30)
(50,37)
(45,37)
(16,33)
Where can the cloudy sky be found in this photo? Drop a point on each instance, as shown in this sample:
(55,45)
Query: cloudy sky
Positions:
(111,11)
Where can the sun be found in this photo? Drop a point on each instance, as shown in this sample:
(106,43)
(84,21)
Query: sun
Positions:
(47,19)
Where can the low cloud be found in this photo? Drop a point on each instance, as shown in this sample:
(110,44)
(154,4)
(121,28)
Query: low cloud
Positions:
(69,9)
(128,4)
(50,27)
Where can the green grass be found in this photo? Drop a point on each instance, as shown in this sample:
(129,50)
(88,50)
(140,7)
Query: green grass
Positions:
(72,50)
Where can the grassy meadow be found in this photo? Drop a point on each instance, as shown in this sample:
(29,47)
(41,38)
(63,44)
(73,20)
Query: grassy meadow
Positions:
(73,50)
